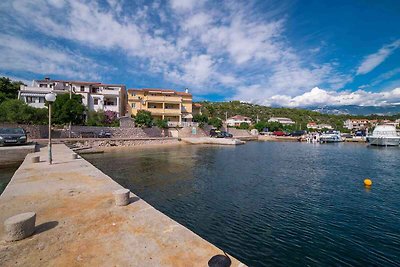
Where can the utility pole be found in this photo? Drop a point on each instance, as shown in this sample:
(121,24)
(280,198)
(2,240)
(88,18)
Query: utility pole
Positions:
(70,97)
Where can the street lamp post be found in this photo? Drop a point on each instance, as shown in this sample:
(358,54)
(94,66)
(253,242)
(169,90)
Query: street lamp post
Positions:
(50,98)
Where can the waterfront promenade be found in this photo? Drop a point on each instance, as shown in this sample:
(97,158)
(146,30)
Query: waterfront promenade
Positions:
(79,225)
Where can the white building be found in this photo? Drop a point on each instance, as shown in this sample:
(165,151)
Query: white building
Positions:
(95,96)
(359,124)
(315,126)
(235,121)
(283,121)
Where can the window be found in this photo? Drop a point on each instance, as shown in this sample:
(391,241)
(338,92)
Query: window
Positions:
(133,94)
(133,105)
(82,88)
(42,85)
(41,100)
(95,101)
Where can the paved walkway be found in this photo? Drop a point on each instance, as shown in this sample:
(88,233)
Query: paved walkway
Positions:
(79,225)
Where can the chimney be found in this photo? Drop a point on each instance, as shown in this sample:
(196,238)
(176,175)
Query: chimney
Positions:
(187,90)
(47,78)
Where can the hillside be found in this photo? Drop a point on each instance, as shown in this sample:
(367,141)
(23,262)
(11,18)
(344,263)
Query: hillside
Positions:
(300,116)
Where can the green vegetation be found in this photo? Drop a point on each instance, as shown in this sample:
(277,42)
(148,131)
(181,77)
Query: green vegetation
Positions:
(163,124)
(300,116)
(66,110)
(101,118)
(143,118)
(244,126)
(215,122)
(8,89)
(16,111)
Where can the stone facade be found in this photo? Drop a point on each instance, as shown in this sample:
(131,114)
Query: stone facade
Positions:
(34,131)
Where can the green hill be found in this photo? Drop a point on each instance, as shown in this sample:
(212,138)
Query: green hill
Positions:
(300,116)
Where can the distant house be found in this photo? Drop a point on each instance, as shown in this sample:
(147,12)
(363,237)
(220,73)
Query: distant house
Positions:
(283,121)
(359,124)
(235,121)
(314,126)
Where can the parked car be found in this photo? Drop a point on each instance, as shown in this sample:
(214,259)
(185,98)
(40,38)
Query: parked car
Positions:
(297,133)
(223,134)
(104,134)
(12,136)
(279,133)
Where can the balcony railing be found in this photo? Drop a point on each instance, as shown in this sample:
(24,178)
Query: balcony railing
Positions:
(166,99)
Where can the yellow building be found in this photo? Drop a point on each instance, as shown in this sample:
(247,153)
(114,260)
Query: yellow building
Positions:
(176,107)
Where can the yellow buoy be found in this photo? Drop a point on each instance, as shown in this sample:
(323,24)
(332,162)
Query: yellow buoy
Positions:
(367,182)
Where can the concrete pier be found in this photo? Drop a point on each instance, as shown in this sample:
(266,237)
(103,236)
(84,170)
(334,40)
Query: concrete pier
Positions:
(78,223)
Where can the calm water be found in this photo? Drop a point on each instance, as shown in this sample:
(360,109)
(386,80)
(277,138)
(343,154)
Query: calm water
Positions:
(280,204)
(6,173)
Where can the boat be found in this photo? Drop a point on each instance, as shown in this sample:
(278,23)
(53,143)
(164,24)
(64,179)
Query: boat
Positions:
(330,137)
(384,135)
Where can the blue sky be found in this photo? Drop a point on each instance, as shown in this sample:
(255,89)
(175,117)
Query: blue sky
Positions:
(280,53)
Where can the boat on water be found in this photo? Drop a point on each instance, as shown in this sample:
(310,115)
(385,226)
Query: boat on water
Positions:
(384,135)
(330,137)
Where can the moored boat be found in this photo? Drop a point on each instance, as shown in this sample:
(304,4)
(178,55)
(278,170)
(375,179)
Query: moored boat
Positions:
(384,135)
(330,137)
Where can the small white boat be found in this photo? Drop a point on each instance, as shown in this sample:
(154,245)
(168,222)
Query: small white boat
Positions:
(330,137)
(384,135)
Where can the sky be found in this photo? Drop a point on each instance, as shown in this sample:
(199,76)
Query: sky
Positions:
(275,53)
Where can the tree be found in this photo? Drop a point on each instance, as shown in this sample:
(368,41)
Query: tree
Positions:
(244,126)
(260,126)
(215,122)
(16,111)
(163,124)
(200,118)
(66,110)
(8,89)
(143,118)
(111,118)
(95,118)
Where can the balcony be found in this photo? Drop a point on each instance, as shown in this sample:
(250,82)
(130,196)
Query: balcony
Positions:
(110,92)
(166,99)
(164,111)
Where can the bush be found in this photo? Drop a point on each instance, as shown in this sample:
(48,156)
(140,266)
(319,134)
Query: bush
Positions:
(163,124)
(143,118)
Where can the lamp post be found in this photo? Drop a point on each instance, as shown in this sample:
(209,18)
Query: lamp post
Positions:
(50,98)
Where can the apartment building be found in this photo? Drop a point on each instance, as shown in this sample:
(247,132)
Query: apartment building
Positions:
(174,106)
(315,126)
(235,121)
(95,95)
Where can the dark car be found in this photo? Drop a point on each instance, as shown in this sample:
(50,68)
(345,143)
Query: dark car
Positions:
(214,132)
(104,134)
(12,136)
(297,133)
(223,134)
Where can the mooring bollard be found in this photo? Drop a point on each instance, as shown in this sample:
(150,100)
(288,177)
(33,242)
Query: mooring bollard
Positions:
(74,156)
(20,226)
(35,159)
(121,197)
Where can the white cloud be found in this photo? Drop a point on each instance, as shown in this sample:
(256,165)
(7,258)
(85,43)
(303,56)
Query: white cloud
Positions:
(22,55)
(318,97)
(372,61)
(229,46)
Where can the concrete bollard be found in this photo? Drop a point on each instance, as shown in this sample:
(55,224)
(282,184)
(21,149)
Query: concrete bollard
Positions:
(74,156)
(35,159)
(121,197)
(20,226)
